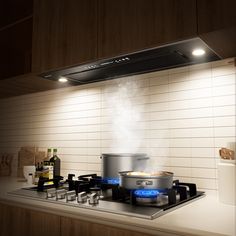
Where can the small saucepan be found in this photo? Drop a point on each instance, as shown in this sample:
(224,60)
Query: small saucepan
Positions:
(141,180)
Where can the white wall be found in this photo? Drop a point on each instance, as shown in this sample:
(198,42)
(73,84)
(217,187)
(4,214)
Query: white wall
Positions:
(180,117)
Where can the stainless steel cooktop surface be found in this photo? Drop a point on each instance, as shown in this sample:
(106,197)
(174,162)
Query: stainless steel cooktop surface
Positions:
(121,208)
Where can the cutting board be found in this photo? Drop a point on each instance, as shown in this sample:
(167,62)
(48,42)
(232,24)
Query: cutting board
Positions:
(5,164)
(29,156)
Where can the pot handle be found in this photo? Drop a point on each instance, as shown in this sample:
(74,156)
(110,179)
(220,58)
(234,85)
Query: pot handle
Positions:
(143,158)
(144,183)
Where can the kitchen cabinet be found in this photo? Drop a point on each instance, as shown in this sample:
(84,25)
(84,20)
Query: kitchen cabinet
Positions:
(75,32)
(73,227)
(131,25)
(15,49)
(65,33)
(217,25)
(15,37)
(15,221)
(12,11)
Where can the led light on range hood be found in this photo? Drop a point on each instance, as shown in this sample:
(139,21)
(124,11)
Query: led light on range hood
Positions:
(63,79)
(198,52)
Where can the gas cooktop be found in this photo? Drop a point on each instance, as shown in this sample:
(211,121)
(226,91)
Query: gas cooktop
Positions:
(92,192)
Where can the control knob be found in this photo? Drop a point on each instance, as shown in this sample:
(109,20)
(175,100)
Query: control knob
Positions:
(93,199)
(82,197)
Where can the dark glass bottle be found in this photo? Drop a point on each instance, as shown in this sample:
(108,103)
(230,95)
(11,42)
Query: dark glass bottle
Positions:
(56,164)
(49,154)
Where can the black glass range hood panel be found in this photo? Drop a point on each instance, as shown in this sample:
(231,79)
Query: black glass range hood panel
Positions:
(154,59)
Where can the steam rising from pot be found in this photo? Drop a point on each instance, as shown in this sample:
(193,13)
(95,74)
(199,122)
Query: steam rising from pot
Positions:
(126,117)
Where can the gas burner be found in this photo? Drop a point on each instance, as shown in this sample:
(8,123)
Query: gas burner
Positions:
(112,181)
(150,197)
(146,193)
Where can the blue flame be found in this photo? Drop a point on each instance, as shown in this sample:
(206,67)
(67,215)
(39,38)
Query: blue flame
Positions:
(111,181)
(146,193)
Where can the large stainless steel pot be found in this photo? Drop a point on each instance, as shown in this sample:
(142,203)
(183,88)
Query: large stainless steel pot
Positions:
(141,180)
(113,163)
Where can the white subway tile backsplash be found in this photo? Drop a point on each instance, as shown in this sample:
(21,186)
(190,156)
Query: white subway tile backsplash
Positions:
(191,113)
(157,134)
(224,111)
(200,72)
(202,152)
(161,143)
(225,131)
(221,90)
(159,79)
(180,117)
(225,142)
(161,106)
(180,162)
(179,142)
(201,93)
(205,183)
(160,124)
(203,173)
(93,151)
(190,85)
(191,123)
(74,165)
(74,158)
(202,132)
(181,172)
(159,152)
(224,121)
(224,80)
(203,163)
(202,142)
(180,152)
(180,133)
(178,77)
(159,98)
(223,70)
(192,103)
(160,115)
(94,167)
(224,100)
(158,89)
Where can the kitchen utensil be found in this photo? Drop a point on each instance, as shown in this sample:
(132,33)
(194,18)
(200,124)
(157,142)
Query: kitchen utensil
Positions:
(226,154)
(113,163)
(29,156)
(5,164)
(142,180)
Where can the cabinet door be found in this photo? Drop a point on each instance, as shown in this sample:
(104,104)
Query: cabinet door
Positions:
(130,25)
(72,227)
(16,49)
(15,221)
(65,33)
(14,10)
(217,25)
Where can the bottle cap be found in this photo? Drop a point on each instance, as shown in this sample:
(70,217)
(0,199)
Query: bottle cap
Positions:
(49,150)
(55,149)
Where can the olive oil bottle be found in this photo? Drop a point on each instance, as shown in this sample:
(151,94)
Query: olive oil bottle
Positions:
(56,164)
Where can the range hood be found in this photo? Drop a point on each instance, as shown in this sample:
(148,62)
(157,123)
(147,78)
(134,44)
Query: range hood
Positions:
(154,59)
